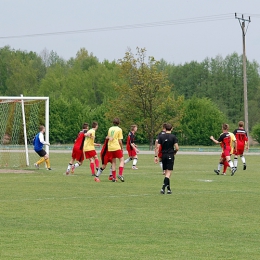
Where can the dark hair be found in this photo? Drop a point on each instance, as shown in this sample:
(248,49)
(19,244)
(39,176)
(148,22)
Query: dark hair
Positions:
(164,125)
(168,127)
(116,121)
(240,123)
(94,124)
(85,126)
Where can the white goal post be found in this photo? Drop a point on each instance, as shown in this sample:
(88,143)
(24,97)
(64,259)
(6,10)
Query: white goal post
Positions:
(20,118)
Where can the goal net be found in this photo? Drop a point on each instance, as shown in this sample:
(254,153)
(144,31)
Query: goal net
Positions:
(20,121)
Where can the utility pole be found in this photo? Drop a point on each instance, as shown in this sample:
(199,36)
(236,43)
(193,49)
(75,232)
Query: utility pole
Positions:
(242,22)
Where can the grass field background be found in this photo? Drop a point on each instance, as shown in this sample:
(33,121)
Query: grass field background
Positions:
(46,215)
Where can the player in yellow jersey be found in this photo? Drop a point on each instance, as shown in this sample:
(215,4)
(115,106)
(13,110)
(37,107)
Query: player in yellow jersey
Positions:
(89,148)
(115,149)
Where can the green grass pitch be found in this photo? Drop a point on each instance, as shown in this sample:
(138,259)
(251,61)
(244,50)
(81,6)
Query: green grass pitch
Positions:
(46,215)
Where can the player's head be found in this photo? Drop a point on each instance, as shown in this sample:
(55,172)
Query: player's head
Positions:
(133,128)
(164,126)
(42,128)
(225,126)
(116,121)
(95,124)
(168,127)
(85,126)
(241,124)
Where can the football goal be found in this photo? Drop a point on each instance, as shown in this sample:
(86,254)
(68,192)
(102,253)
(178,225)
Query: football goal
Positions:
(20,121)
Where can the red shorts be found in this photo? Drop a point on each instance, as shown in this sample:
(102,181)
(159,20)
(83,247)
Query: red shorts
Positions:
(77,155)
(239,152)
(116,154)
(106,159)
(90,154)
(131,153)
(225,153)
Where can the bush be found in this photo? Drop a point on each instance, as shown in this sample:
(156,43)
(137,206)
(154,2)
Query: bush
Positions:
(256,132)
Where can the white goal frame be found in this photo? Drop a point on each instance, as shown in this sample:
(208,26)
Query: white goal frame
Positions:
(22,99)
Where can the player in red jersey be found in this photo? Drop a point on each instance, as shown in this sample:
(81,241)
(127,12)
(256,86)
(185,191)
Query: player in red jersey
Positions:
(242,143)
(233,145)
(105,159)
(225,140)
(158,149)
(131,147)
(77,151)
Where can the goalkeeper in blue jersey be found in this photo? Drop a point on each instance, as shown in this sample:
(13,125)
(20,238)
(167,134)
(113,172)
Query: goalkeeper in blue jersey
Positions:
(38,144)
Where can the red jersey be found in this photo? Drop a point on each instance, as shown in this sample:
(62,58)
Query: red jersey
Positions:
(130,140)
(160,148)
(79,142)
(225,140)
(241,136)
(104,154)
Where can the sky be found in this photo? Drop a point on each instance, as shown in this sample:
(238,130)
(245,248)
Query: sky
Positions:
(176,31)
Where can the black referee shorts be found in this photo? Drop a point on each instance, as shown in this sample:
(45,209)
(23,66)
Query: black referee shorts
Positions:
(168,161)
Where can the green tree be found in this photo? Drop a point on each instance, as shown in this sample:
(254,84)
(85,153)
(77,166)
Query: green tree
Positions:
(66,119)
(97,114)
(145,97)
(256,132)
(201,119)
(21,72)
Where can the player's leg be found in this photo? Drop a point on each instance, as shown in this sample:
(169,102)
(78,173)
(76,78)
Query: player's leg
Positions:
(135,159)
(231,165)
(114,169)
(243,159)
(220,164)
(96,161)
(69,166)
(92,165)
(47,161)
(166,181)
(37,164)
(226,165)
(79,156)
(129,158)
(121,166)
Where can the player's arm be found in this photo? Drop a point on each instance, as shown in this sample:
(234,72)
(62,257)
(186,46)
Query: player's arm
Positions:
(176,148)
(88,135)
(214,140)
(41,138)
(156,147)
(120,143)
(156,152)
(235,144)
(134,146)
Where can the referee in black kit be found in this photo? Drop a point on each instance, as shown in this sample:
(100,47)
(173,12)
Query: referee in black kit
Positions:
(168,144)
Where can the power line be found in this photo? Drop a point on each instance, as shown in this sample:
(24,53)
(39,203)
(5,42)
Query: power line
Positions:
(201,19)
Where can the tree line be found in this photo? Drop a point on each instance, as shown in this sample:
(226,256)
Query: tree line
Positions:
(196,97)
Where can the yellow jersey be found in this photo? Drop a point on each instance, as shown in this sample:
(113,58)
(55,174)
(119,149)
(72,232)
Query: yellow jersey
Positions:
(89,141)
(116,133)
(232,141)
